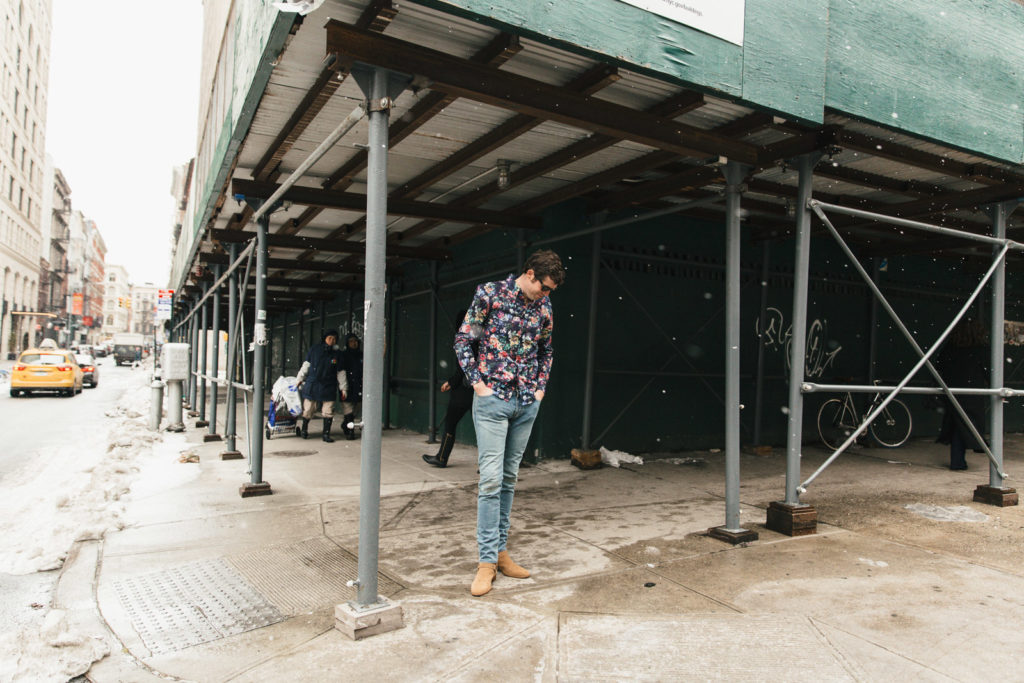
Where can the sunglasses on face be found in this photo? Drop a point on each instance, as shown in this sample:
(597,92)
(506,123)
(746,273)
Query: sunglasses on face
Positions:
(544,288)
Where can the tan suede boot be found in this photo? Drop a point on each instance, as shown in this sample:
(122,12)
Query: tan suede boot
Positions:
(509,568)
(485,575)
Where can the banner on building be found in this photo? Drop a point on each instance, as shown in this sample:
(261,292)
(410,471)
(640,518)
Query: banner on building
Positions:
(87,320)
(720,18)
(164,298)
(77,303)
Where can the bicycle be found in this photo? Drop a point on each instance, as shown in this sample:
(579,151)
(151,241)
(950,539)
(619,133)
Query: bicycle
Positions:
(838,419)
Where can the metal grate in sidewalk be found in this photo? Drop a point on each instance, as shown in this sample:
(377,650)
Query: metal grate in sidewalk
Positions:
(192,604)
(305,576)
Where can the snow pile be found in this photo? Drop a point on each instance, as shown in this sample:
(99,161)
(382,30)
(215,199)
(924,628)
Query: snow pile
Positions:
(53,652)
(615,458)
(73,492)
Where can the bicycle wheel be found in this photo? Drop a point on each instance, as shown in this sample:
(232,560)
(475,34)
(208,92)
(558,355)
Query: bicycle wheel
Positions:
(833,423)
(892,426)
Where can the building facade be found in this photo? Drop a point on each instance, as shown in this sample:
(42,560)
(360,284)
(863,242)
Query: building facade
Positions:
(53,263)
(86,254)
(24,74)
(116,300)
(143,311)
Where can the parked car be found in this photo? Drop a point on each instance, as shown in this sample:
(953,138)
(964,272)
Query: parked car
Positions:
(46,370)
(90,371)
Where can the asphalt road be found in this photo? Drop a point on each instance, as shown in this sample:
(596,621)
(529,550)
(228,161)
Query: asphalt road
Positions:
(29,427)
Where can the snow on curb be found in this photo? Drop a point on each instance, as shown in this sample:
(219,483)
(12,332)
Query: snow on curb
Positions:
(50,653)
(75,493)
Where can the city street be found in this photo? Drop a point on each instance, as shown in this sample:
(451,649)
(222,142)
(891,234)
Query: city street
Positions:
(53,484)
(36,424)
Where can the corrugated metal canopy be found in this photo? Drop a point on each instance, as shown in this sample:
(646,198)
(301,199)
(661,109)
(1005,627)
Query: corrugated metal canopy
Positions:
(445,149)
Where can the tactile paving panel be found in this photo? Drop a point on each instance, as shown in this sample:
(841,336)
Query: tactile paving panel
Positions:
(305,576)
(192,604)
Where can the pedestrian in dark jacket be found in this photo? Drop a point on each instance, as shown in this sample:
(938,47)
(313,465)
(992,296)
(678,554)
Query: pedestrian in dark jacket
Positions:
(352,362)
(320,380)
(962,361)
(459,403)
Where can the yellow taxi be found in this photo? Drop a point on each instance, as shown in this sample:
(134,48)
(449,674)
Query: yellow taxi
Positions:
(46,369)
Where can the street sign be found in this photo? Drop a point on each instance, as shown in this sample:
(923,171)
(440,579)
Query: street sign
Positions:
(164,298)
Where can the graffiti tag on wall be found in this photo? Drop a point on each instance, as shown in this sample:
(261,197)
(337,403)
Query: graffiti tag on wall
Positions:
(777,336)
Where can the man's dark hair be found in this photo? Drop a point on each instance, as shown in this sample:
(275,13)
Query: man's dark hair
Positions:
(545,263)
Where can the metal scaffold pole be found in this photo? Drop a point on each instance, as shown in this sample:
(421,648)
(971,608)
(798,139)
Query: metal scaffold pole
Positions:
(212,434)
(230,409)
(996,492)
(732,532)
(432,372)
(790,516)
(193,365)
(203,360)
(256,486)
(381,88)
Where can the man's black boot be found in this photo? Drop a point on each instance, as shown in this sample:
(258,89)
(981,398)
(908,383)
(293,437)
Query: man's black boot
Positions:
(350,431)
(327,430)
(304,430)
(441,459)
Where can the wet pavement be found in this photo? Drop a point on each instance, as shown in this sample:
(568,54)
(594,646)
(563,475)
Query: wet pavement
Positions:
(906,578)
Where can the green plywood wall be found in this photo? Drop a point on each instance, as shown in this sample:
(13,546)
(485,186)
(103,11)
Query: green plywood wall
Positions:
(952,71)
(947,70)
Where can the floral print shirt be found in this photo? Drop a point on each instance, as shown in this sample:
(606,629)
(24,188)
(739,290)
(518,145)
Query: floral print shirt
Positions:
(514,335)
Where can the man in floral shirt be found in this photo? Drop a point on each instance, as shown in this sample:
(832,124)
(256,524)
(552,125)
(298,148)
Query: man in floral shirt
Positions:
(511,322)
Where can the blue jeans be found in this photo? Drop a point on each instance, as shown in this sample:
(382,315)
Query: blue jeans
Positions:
(502,431)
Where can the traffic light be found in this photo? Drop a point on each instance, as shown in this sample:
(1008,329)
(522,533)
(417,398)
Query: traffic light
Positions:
(120,302)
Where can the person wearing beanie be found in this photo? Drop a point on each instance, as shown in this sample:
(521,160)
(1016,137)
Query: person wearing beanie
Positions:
(320,380)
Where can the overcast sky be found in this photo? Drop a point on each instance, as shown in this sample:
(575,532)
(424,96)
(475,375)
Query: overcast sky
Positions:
(122,113)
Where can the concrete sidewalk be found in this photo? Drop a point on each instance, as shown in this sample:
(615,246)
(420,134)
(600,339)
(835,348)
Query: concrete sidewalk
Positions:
(204,585)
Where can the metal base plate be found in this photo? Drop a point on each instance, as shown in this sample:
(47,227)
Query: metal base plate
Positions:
(1000,497)
(792,520)
(734,536)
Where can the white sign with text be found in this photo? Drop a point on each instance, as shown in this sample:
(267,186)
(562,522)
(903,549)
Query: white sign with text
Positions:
(721,18)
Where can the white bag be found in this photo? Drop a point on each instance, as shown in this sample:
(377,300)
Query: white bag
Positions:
(284,390)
